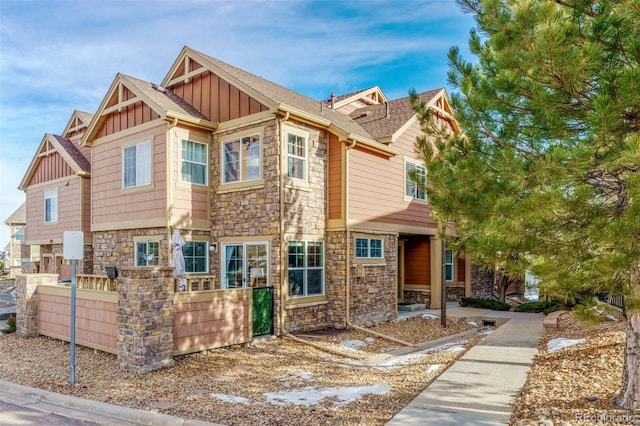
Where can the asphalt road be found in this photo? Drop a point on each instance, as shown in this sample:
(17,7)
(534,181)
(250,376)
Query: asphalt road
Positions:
(20,413)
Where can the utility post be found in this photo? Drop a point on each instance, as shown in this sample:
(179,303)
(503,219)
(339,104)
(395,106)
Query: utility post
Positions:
(73,249)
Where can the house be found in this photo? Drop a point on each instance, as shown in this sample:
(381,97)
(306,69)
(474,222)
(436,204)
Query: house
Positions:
(19,256)
(57,187)
(267,187)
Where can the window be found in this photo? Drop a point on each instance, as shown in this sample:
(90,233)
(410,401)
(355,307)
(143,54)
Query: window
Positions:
(245,265)
(297,156)
(448,265)
(195,255)
(51,206)
(19,235)
(147,253)
(369,248)
(416,179)
(241,159)
(194,162)
(306,268)
(136,160)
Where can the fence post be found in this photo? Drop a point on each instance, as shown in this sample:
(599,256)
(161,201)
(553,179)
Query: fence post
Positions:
(145,318)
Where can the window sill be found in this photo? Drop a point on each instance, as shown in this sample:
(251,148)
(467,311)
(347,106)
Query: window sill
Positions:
(134,189)
(299,185)
(369,262)
(192,186)
(240,186)
(303,302)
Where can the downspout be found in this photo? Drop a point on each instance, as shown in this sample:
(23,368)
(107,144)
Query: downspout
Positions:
(347,308)
(168,143)
(283,253)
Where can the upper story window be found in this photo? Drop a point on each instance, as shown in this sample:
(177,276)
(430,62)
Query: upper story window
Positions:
(196,258)
(51,206)
(448,265)
(415,181)
(19,235)
(136,165)
(241,159)
(369,248)
(306,268)
(297,156)
(194,157)
(147,253)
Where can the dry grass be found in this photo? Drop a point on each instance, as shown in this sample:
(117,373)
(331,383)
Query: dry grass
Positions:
(249,372)
(576,385)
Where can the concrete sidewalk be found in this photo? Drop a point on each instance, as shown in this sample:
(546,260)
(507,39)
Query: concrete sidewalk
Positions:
(480,388)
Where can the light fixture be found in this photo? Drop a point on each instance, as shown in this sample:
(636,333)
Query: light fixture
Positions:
(213,247)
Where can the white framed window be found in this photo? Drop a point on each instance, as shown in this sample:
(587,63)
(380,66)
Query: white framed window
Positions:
(369,248)
(242,159)
(448,265)
(415,181)
(147,253)
(245,265)
(194,158)
(305,268)
(297,156)
(196,258)
(51,206)
(136,165)
(19,235)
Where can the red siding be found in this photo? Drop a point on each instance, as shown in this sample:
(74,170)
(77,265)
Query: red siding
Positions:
(130,116)
(51,167)
(417,262)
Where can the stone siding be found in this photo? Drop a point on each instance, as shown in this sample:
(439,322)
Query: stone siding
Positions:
(117,248)
(373,297)
(481,282)
(417,296)
(335,280)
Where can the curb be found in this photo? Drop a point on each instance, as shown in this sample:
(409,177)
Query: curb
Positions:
(109,411)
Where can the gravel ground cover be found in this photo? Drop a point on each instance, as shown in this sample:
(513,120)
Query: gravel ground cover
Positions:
(575,376)
(275,382)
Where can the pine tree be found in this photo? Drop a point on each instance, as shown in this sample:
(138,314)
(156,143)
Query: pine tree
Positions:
(545,175)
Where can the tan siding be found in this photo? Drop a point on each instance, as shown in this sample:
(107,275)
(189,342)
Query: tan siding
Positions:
(417,262)
(335,177)
(377,187)
(216,98)
(69,210)
(110,203)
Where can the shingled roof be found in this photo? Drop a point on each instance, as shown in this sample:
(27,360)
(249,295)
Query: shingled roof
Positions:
(379,124)
(73,151)
(19,216)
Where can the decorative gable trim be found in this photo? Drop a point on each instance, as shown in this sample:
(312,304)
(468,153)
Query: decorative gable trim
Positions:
(372,96)
(78,122)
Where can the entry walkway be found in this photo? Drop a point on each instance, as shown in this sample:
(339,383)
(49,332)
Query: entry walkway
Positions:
(479,388)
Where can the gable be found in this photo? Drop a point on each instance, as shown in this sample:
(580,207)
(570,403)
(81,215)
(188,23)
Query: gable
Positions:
(348,103)
(77,125)
(123,110)
(48,164)
(210,94)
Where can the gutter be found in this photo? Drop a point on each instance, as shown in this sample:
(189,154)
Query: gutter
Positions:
(283,251)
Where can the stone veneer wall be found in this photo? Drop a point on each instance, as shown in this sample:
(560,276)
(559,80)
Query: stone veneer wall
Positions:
(117,248)
(145,318)
(417,296)
(373,298)
(481,282)
(455,292)
(335,280)
(27,302)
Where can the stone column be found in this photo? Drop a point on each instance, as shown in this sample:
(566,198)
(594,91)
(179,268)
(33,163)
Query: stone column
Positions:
(26,307)
(145,318)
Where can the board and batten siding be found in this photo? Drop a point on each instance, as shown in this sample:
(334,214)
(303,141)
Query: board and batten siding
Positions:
(128,117)
(217,99)
(69,210)
(115,207)
(51,167)
(335,177)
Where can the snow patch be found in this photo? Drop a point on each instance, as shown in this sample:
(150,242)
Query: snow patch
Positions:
(433,368)
(353,344)
(230,398)
(302,375)
(429,316)
(413,358)
(311,396)
(561,343)
(473,323)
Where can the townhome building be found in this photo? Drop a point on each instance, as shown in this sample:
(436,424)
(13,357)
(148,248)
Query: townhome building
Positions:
(322,200)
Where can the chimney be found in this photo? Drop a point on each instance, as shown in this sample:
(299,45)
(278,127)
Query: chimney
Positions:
(386,111)
(333,99)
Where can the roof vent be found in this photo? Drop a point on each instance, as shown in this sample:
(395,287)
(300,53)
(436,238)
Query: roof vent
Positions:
(386,110)
(364,114)
(158,88)
(333,99)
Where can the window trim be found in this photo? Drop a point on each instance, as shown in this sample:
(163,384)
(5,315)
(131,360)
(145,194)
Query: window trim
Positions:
(206,256)
(414,185)
(137,165)
(245,273)
(449,264)
(305,292)
(368,248)
(303,134)
(53,214)
(205,164)
(242,180)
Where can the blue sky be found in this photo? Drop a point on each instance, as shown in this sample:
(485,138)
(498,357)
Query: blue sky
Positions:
(61,55)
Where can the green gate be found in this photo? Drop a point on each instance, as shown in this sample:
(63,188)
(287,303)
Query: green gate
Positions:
(262,310)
